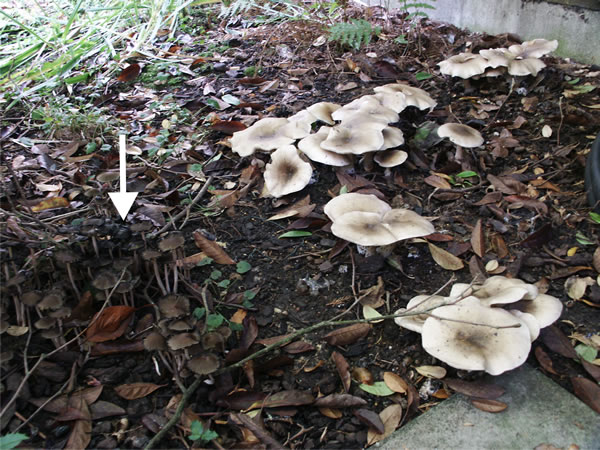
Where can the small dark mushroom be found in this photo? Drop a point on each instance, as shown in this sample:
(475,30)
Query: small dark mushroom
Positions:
(170,244)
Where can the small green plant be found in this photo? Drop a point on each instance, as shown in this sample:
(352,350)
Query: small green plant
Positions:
(417,9)
(198,432)
(355,33)
(11,440)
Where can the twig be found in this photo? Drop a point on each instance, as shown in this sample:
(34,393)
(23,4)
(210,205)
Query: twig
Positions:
(185,211)
(561,121)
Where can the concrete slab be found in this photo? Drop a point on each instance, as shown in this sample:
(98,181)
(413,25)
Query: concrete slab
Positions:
(539,412)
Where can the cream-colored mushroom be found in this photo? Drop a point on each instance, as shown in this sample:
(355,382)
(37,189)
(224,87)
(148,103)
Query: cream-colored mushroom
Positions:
(390,158)
(413,96)
(463,65)
(461,135)
(311,147)
(356,141)
(535,48)
(287,172)
(323,111)
(349,202)
(266,134)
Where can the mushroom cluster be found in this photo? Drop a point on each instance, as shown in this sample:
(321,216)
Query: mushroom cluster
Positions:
(366,220)
(361,127)
(488,326)
(518,60)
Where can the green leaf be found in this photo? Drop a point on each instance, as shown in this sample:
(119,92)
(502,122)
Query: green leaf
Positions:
(249,295)
(199,313)
(344,190)
(595,217)
(586,352)
(467,174)
(243,267)
(204,262)
(247,304)
(378,388)
(420,76)
(215,274)
(212,103)
(584,88)
(583,239)
(401,39)
(214,321)
(232,100)
(236,326)
(77,79)
(574,81)
(90,147)
(295,234)
(224,284)
(11,440)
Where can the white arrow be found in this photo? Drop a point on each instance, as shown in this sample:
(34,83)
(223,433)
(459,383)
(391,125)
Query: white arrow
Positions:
(123,200)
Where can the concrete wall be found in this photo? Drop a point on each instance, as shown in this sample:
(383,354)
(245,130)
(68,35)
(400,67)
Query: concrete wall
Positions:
(577,29)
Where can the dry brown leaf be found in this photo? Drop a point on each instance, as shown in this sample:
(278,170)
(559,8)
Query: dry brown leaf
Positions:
(488,405)
(475,388)
(587,391)
(340,401)
(544,360)
(348,335)
(136,390)
(390,417)
(51,203)
(110,324)
(81,435)
(478,239)
(290,397)
(431,371)
(332,413)
(445,259)
(437,182)
(363,375)
(212,249)
(395,382)
(370,419)
(129,73)
(343,369)
(556,341)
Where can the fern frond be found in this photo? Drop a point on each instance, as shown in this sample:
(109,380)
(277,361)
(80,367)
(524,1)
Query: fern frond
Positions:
(356,33)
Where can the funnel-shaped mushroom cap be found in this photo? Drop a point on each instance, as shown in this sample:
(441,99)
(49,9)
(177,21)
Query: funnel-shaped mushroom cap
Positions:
(499,290)
(355,141)
(545,308)
(418,304)
(171,242)
(413,96)
(373,229)
(461,290)
(463,65)
(287,172)
(533,49)
(530,321)
(323,110)
(311,147)
(345,203)
(526,66)
(462,135)
(396,101)
(495,58)
(300,124)
(390,158)
(204,364)
(392,137)
(52,300)
(368,106)
(476,347)
(266,134)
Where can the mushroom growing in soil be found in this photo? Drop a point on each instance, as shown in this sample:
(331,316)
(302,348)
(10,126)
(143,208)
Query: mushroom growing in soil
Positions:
(105,281)
(311,147)
(67,257)
(355,141)
(462,136)
(171,243)
(471,336)
(323,110)
(152,256)
(287,172)
(412,96)
(266,134)
(464,65)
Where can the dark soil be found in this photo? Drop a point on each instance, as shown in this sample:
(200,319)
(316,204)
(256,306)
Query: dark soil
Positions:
(298,282)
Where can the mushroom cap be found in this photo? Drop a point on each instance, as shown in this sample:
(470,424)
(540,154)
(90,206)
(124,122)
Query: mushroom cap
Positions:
(459,134)
(182,340)
(66,256)
(476,347)
(287,172)
(31,298)
(499,290)
(530,321)
(463,65)
(495,57)
(413,96)
(462,290)
(155,341)
(352,201)
(392,137)
(105,280)
(355,141)
(300,124)
(174,305)
(396,101)
(367,228)
(368,105)
(204,364)
(493,73)
(390,158)
(150,254)
(171,242)
(415,305)
(525,66)
(361,119)
(266,134)
(534,49)
(311,147)
(323,110)
(545,308)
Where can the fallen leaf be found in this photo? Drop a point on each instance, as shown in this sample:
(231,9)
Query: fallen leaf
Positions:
(348,335)
(445,259)
(556,341)
(478,240)
(390,417)
(544,360)
(488,405)
(395,382)
(132,391)
(363,375)
(340,401)
(332,413)
(102,409)
(343,369)
(370,419)
(90,395)
(81,435)
(212,249)
(290,397)
(475,388)
(378,388)
(51,203)
(576,286)
(431,371)
(228,126)
(129,73)
(110,324)
(298,347)
(437,182)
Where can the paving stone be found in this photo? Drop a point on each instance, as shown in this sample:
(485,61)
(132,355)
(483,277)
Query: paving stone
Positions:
(539,412)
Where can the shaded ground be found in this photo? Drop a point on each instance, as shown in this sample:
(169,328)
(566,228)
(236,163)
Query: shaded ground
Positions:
(532,210)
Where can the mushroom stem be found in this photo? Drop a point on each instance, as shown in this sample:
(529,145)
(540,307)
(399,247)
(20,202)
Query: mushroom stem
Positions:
(70,273)
(175,271)
(157,276)
(167,285)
